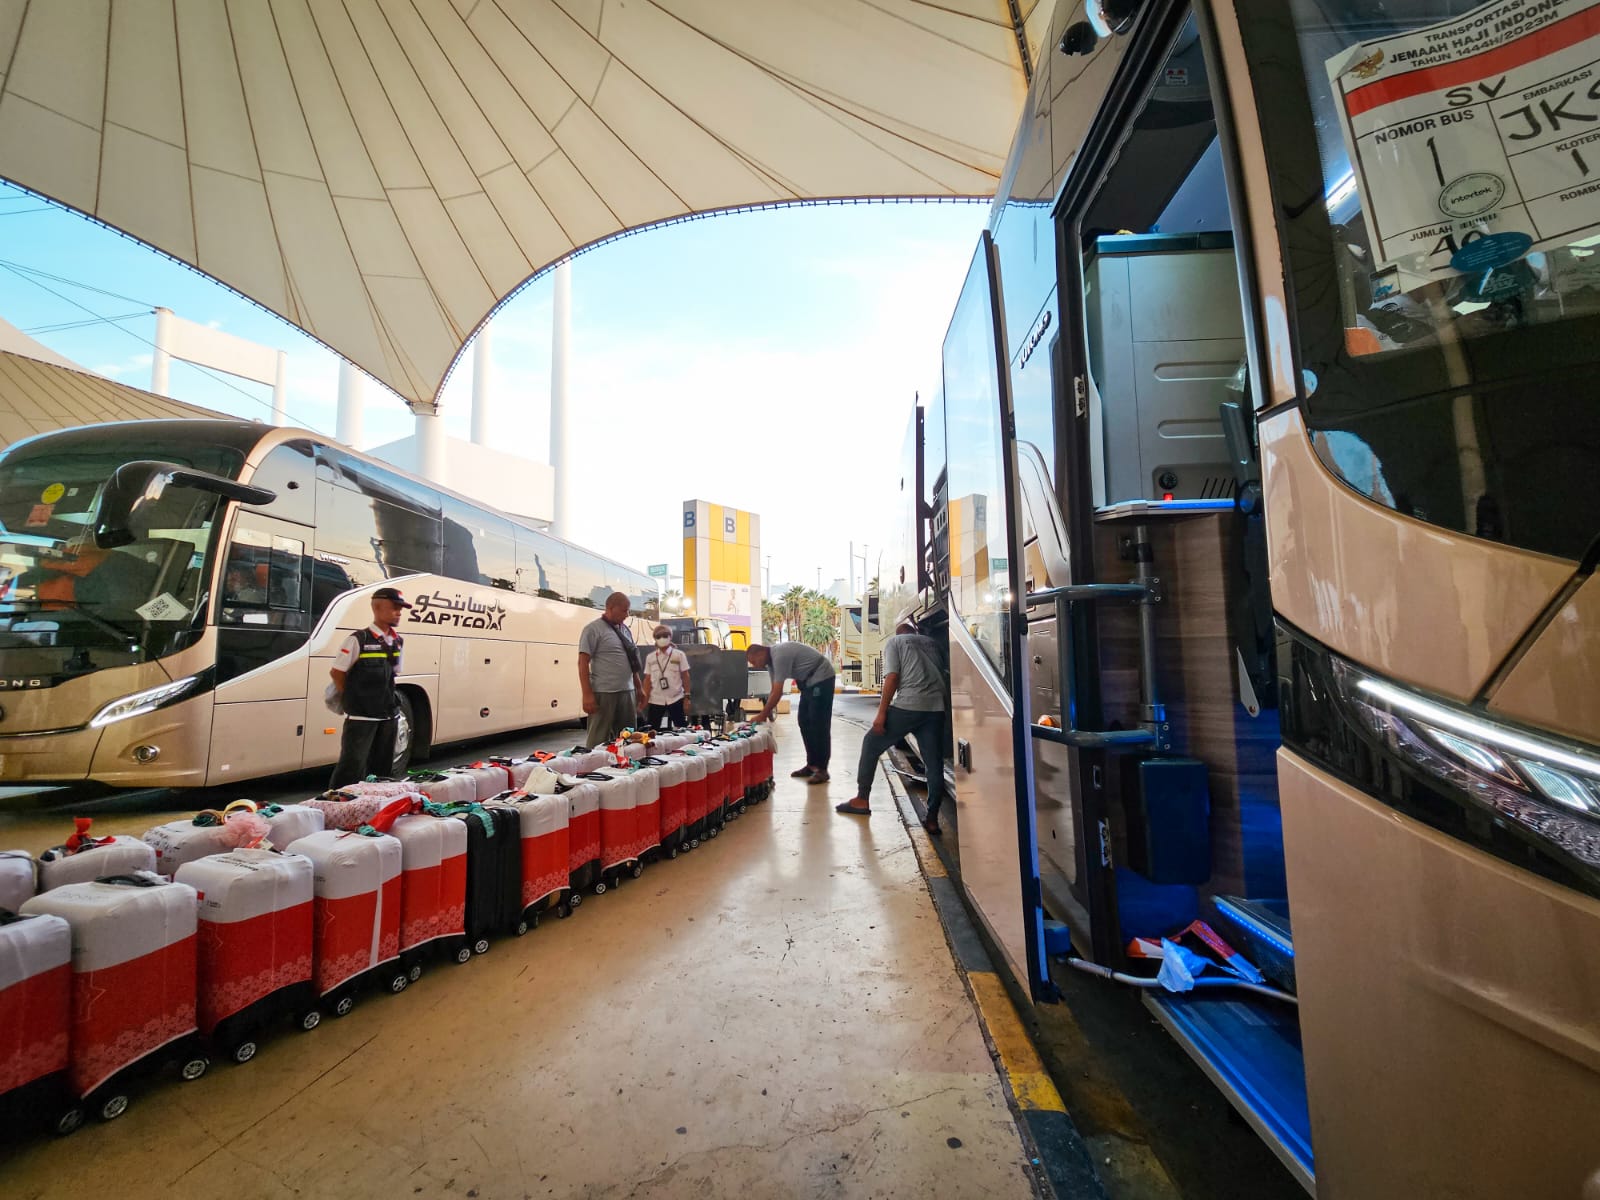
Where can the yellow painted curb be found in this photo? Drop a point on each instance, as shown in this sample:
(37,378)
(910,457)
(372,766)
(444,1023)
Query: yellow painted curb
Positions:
(1030,1083)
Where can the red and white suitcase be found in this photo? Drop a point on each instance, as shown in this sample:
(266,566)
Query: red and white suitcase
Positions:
(133,982)
(668,743)
(253,945)
(433,889)
(19,878)
(717,775)
(490,779)
(207,832)
(619,833)
(448,787)
(36,1023)
(83,858)
(672,776)
(578,761)
(583,839)
(734,752)
(290,822)
(546,854)
(694,796)
(647,811)
(355,932)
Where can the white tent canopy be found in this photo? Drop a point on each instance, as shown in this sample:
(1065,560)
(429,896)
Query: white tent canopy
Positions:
(382,173)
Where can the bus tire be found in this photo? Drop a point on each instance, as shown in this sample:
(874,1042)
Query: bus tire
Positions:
(406,735)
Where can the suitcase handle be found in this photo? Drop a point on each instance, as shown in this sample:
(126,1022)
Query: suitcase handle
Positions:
(145,881)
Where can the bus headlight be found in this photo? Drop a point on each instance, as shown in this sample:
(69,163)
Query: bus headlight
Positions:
(142,702)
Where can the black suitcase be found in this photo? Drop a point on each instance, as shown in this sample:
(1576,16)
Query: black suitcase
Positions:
(494,872)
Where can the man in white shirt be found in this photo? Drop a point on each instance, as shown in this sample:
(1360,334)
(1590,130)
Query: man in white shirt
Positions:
(364,675)
(666,683)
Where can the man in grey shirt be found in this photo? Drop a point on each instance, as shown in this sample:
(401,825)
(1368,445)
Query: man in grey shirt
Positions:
(608,671)
(813,675)
(912,703)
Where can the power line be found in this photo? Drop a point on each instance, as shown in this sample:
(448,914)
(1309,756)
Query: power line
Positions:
(63,326)
(25,269)
(24,273)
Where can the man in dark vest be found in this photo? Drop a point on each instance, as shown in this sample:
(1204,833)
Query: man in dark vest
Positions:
(364,675)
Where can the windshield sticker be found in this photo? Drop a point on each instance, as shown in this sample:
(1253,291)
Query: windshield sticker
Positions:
(1483,125)
(165,607)
(39,515)
(52,493)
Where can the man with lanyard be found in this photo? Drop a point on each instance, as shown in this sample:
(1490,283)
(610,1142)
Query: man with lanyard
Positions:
(608,671)
(666,683)
(364,674)
(813,675)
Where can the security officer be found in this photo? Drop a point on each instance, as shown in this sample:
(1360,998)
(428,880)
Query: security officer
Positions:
(364,674)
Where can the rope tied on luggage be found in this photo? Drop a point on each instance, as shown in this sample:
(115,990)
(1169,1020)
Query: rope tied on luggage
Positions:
(209,817)
(463,809)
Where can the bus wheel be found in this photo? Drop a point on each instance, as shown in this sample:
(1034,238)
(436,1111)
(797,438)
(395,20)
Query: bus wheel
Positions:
(404,736)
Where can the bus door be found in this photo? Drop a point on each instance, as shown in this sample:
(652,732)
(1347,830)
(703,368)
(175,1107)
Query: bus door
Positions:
(988,672)
(263,619)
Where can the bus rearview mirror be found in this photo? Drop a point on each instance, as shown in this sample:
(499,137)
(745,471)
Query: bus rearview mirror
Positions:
(135,484)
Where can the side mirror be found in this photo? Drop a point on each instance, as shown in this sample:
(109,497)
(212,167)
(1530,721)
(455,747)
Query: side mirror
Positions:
(135,484)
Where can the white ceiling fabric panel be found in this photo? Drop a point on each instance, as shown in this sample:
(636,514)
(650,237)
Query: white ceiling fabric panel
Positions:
(382,173)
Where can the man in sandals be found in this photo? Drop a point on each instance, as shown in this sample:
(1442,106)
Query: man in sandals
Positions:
(813,675)
(912,702)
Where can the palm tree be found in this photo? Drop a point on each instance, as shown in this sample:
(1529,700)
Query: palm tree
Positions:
(793,602)
(820,626)
(772,620)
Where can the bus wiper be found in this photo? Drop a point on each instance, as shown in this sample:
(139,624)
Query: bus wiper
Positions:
(81,609)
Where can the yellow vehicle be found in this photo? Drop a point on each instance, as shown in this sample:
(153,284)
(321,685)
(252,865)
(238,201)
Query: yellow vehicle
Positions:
(1263,466)
(174,593)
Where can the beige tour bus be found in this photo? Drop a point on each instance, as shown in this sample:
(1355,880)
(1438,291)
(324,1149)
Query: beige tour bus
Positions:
(172,594)
(1264,467)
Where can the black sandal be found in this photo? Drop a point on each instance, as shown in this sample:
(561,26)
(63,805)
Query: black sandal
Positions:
(850,810)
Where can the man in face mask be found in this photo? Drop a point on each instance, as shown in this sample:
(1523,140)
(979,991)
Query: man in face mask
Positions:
(666,683)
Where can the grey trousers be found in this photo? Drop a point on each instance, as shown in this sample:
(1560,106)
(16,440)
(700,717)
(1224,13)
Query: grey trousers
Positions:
(928,729)
(614,712)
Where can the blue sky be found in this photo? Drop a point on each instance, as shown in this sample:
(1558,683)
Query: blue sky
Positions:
(766,360)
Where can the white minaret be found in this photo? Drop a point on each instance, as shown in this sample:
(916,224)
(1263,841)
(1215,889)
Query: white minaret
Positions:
(480,388)
(560,423)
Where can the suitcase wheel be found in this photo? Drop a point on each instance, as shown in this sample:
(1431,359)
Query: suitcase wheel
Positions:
(399,983)
(196,1067)
(600,888)
(415,973)
(638,870)
(464,955)
(672,852)
(113,1108)
(563,911)
(522,928)
(575,900)
(243,1052)
(713,831)
(70,1121)
(346,1003)
(310,1020)
(481,946)
(694,843)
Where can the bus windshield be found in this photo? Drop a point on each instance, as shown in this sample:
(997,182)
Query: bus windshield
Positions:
(1437,169)
(68,607)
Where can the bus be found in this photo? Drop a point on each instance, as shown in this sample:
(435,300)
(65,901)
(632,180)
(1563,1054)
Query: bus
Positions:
(1256,510)
(174,593)
(861,644)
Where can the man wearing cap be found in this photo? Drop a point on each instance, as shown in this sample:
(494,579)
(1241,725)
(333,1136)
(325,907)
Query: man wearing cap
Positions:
(364,675)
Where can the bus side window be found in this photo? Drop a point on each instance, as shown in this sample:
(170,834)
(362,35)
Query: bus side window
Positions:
(261,583)
(541,565)
(479,546)
(289,470)
(586,581)
(329,581)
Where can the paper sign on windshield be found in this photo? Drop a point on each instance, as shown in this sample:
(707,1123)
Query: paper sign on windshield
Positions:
(165,607)
(1487,123)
